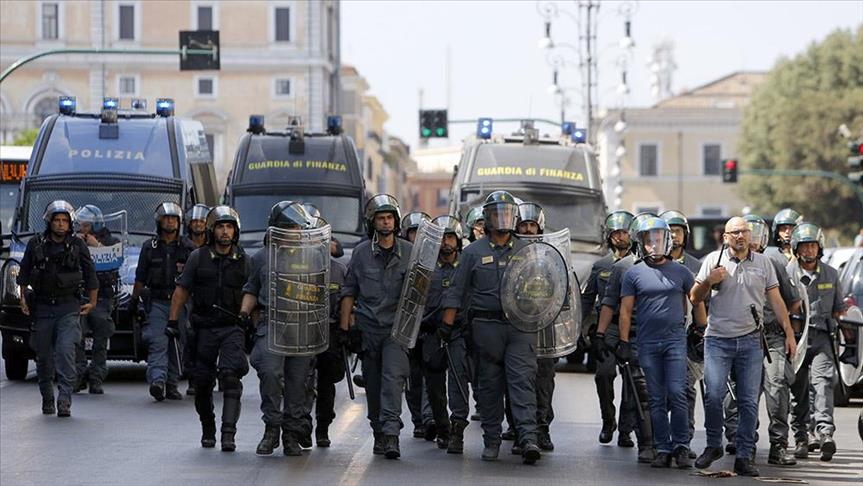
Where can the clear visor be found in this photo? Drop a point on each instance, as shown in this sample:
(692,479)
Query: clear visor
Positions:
(759,233)
(198,212)
(501,216)
(655,242)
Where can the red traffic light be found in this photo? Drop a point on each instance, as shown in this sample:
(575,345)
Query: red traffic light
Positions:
(730,164)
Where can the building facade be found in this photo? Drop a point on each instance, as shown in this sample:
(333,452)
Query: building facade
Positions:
(287,66)
(669,156)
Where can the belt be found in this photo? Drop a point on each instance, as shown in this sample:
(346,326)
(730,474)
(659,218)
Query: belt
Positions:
(491,315)
(54,300)
(161,294)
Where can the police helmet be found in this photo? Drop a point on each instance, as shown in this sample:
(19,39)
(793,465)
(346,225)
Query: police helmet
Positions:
(91,214)
(658,232)
(451,226)
(805,233)
(291,215)
(474,216)
(382,203)
(412,221)
(784,217)
(500,211)
(531,211)
(616,220)
(223,214)
(636,221)
(758,229)
(676,218)
(168,209)
(198,211)
(57,207)
(312,210)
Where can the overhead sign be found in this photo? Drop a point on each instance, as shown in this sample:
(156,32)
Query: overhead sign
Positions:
(196,40)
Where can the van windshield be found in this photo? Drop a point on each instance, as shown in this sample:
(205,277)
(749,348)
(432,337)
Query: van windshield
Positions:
(341,212)
(141,149)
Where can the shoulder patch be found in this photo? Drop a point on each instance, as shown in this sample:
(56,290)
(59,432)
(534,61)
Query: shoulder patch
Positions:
(825,286)
(487,259)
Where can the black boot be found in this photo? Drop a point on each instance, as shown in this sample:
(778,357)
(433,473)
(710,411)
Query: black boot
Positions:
(208,434)
(456,438)
(378,448)
(322,435)
(801,450)
(779,457)
(64,409)
(707,457)
(744,467)
(230,416)
(269,442)
(828,448)
(607,432)
(48,406)
(543,440)
(172,392)
(157,391)
(430,431)
(442,438)
(96,388)
(391,447)
(508,434)
(530,453)
(292,445)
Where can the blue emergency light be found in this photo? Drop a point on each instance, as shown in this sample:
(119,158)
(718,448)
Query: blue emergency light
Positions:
(139,104)
(484,128)
(110,104)
(334,124)
(165,107)
(579,135)
(256,124)
(67,105)
(567,127)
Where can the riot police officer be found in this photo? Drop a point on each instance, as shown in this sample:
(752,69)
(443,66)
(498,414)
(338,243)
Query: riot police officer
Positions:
(820,366)
(616,230)
(374,282)
(416,394)
(91,228)
(475,224)
(607,345)
(196,226)
(336,249)
(213,277)
(506,355)
(783,224)
(54,265)
(284,380)
(531,221)
(161,261)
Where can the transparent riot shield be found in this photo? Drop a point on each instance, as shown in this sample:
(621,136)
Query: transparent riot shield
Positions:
(298,284)
(803,342)
(534,287)
(421,267)
(561,337)
(112,257)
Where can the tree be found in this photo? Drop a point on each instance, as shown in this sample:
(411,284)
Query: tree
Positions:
(27,137)
(792,123)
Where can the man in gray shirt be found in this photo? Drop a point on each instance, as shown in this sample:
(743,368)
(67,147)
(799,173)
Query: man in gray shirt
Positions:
(737,280)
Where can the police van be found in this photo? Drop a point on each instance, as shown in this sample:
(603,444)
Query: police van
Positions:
(126,162)
(560,174)
(318,168)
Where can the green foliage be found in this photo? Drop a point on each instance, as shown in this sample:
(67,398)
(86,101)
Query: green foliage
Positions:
(791,123)
(27,137)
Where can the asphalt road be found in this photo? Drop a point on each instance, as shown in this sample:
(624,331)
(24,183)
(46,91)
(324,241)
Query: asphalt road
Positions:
(124,437)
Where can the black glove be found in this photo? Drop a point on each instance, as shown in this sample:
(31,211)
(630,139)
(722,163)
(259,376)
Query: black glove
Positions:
(444,332)
(624,352)
(245,320)
(173,328)
(342,338)
(355,340)
(598,346)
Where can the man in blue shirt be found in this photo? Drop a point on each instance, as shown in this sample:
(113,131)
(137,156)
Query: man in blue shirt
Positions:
(658,287)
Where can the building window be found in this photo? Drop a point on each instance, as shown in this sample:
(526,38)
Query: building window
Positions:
(126,22)
(712,211)
(331,32)
(282,27)
(282,88)
(206,87)
(205,17)
(648,160)
(369,169)
(442,197)
(712,162)
(50,21)
(127,86)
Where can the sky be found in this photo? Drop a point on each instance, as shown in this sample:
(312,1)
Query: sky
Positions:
(497,69)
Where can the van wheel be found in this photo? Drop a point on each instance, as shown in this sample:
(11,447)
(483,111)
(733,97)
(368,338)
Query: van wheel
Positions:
(16,368)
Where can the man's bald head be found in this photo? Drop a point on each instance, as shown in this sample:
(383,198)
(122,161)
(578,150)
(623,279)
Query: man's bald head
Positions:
(735,224)
(737,234)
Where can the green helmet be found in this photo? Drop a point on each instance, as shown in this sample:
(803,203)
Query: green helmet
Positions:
(451,226)
(290,214)
(616,220)
(474,216)
(758,229)
(500,211)
(223,214)
(805,233)
(412,221)
(784,217)
(382,203)
(636,222)
(659,233)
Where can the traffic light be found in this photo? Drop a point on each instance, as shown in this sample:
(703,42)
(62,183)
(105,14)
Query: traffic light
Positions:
(855,161)
(433,124)
(729,171)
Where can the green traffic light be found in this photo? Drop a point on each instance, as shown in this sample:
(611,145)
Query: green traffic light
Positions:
(426,132)
(440,132)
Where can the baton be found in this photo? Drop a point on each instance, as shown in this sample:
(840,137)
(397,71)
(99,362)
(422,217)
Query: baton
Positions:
(461,387)
(764,345)
(177,354)
(347,375)
(356,362)
(730,389)
(627,373)
(226,312)
(718,264)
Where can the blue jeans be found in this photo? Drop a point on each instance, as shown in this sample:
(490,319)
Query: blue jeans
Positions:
(664,365)
(744,353)
(162,366)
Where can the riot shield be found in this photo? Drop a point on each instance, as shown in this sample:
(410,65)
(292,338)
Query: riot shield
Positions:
(298,285)
(802,343)
(850,343)
(421,266)
(112,257)
(534,287)
(561,337)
